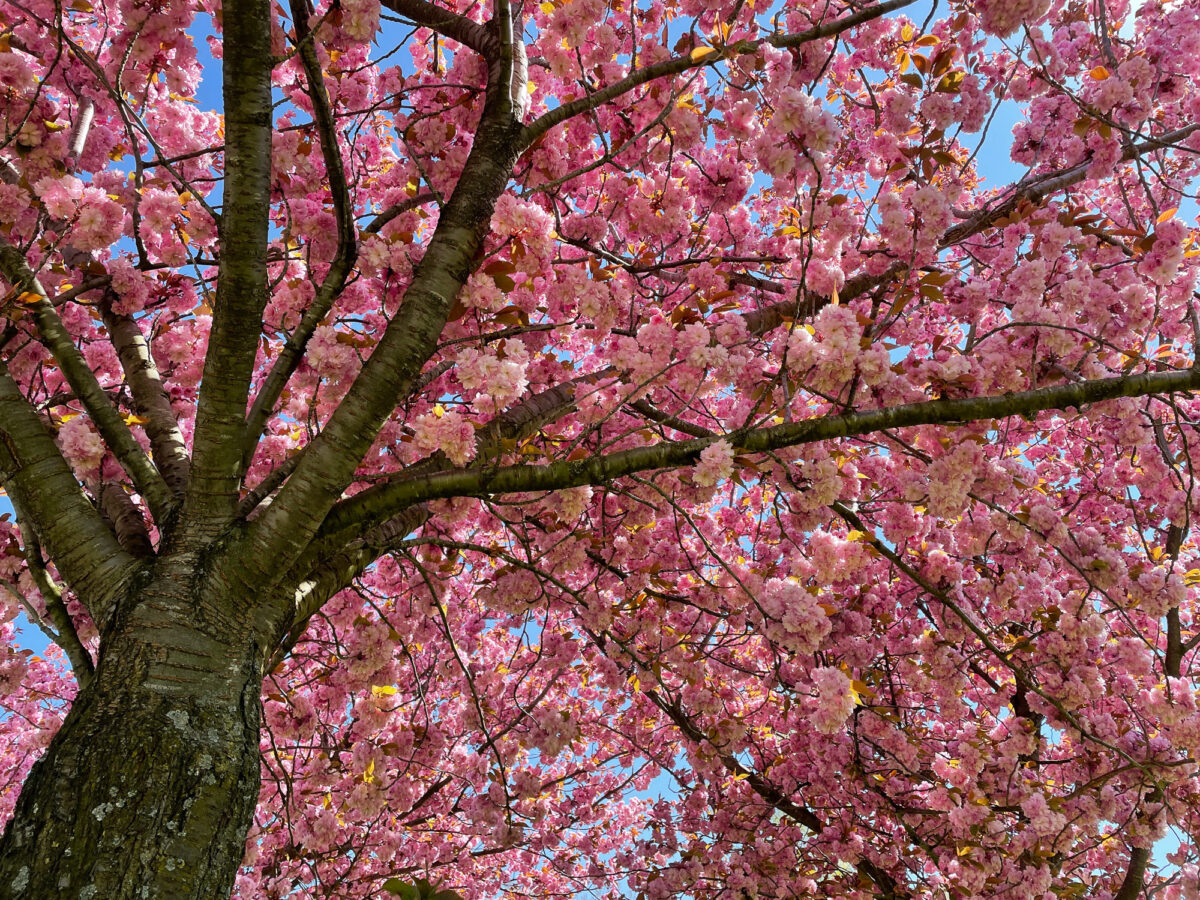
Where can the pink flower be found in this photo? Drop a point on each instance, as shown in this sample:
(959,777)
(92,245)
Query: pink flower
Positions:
(500,380)
(716,464)
(835,699)
(82,447)
(60,195)
(331,358)
(445,431)
(100,221)
(14,201)
(130,285)
(1003,17)
(360,19)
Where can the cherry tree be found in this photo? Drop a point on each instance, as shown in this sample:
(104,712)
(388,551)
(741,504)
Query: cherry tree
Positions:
(645,447)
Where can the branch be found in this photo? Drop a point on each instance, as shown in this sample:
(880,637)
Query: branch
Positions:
(279,536)
(271,483)
(149,396)
(65,634)
(75,369)
(1032,190)
(1135,875)
(141,374)
(39,481)
(444,21)
(377,503)
(331,574)
(645,409)
(510,66)
(79,131)
(242,272)
(769,792)
(514,424)
(396,209)
(126,520)
(696,60)
(343,258)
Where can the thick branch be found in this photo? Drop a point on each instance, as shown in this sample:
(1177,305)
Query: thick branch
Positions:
(79,376)
(1135,875)
(444,21)
(347,247)
(330,574)
(242,274)
(141,374)
(385,500)
(281,534)
(65,634)
(40,482)
(644,408)
(79,131)
(126,520)
(149,397)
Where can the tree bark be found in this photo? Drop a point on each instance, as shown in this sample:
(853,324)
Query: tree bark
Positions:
(148,789)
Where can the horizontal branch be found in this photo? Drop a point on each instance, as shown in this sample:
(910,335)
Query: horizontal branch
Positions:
(385,500)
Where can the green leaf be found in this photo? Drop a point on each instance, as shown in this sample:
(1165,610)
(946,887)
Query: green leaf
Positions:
(402,889)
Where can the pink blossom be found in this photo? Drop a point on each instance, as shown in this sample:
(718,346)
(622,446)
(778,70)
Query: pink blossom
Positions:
(448,432)
(81,445)
(1003,17)
(60,195)
(835,699)
(360,19)
(715,465)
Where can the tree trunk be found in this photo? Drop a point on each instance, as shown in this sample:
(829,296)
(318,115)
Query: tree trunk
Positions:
(148,789)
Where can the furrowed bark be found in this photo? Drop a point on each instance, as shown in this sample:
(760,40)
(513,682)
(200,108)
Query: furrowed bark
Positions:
(347,247)
(242,274)
(126,520)
(39,480)
(378,503)
(157,806)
